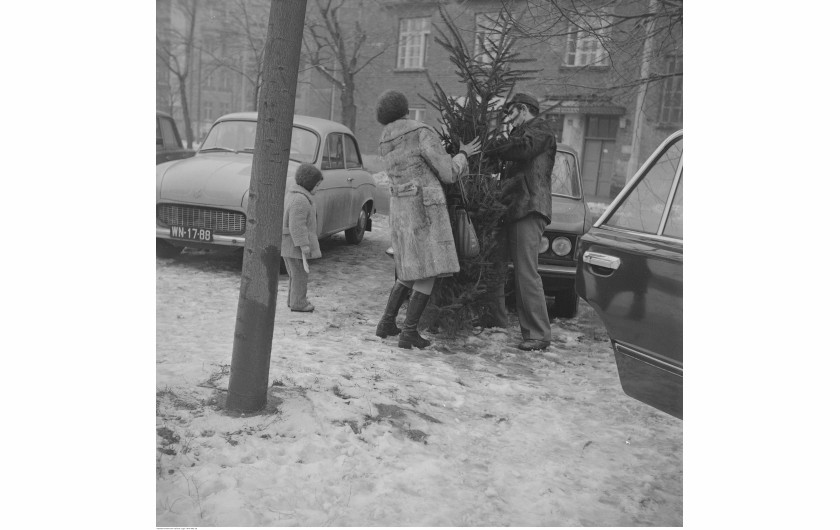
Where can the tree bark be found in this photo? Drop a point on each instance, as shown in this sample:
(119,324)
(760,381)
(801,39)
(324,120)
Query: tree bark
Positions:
(185,110)
(261,266)
(348,106)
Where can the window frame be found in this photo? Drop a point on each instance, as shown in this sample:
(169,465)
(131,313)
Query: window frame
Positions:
(578,38)
(327,155)
(638,178)
(669,91)
(423,33)
(351,144)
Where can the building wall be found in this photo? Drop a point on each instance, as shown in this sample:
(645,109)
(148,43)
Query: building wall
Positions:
(576,92)
(553,85)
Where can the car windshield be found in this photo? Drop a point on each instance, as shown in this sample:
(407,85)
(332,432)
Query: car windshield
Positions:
(239,136)
(564,178)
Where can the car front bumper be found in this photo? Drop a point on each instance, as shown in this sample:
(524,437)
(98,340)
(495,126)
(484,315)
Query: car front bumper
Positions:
(556,277)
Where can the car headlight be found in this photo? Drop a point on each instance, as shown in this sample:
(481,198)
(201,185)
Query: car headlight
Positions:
(561,246)
(543,244)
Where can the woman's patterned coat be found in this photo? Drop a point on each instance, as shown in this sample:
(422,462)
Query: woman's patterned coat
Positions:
(420,231)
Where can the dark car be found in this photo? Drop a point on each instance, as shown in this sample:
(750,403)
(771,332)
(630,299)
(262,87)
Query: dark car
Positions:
(169,146)
(631,273)
(570,219)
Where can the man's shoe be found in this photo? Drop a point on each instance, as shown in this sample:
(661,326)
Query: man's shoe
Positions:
(308,308)
(533,344)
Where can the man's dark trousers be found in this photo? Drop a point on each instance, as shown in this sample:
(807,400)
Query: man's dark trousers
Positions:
(523,238)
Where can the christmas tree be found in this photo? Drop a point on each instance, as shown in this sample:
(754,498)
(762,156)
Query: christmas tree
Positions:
(488,78)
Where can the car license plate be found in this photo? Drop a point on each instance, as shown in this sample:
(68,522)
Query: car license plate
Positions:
(193,234)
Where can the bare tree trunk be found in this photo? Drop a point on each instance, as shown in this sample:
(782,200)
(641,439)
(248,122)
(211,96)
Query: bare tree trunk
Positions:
(185,110)
(256,93)
(261,267)
(348,106)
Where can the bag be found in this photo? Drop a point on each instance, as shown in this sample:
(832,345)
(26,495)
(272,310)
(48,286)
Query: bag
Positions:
(466,240)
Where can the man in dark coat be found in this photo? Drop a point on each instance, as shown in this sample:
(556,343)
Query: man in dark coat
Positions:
(528,157)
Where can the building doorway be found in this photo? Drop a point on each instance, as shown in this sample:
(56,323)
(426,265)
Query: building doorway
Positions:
(599,154)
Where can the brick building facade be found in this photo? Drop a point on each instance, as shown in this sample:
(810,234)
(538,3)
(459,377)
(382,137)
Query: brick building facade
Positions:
(590,102)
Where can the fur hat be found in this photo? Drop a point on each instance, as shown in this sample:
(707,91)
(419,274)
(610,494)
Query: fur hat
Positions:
(527,99)
(391,106)
(307,176)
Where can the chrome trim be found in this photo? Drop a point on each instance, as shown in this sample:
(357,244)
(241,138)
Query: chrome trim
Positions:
(670,200)
(630,185)
(647,358)
(663,238)
(556,270)
(601,260)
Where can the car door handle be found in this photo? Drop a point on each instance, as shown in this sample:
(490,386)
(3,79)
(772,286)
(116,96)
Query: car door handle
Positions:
(601,260)
(350,179)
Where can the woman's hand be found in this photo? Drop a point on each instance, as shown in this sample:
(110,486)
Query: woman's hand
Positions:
(471,148)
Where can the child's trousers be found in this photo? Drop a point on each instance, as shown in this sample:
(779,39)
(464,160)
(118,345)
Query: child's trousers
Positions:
(298,278)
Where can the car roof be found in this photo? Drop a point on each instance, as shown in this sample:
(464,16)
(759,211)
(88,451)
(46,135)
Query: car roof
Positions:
(319,124)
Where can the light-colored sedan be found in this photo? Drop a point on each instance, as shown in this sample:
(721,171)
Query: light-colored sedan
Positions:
(202,201)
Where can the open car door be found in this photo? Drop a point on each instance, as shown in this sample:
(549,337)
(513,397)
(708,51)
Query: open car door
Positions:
(630,270)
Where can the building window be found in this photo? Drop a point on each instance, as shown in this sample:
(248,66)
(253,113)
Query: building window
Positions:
(671,111)
(414,42)
(207,111)
(417,114)
(488,33)
(584,46)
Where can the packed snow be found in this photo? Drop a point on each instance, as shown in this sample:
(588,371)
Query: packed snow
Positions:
(358,432)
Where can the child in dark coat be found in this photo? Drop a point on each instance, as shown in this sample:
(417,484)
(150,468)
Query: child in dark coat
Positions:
(300,234)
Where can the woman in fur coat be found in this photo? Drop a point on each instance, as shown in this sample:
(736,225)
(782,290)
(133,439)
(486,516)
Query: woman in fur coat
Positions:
(421,235)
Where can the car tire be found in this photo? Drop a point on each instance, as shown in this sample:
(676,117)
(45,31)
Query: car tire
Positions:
(165,249)
(355,235)
(566,303)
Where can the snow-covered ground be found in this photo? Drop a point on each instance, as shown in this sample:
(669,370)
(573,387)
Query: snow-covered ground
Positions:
(358,432)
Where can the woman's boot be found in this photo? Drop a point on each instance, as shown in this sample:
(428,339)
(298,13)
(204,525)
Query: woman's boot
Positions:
(388,324)
(409,336)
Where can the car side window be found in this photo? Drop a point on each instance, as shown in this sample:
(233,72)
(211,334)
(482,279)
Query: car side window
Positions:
(351,152)
(333,153)
(674,223)
(642,209)
(170,135)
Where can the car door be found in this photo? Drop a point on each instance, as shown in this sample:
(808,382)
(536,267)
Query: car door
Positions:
(335,191)
(355,176)
(630,272)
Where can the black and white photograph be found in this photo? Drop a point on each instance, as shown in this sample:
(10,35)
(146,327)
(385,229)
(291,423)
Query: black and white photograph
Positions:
(419,264)
(473,211)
